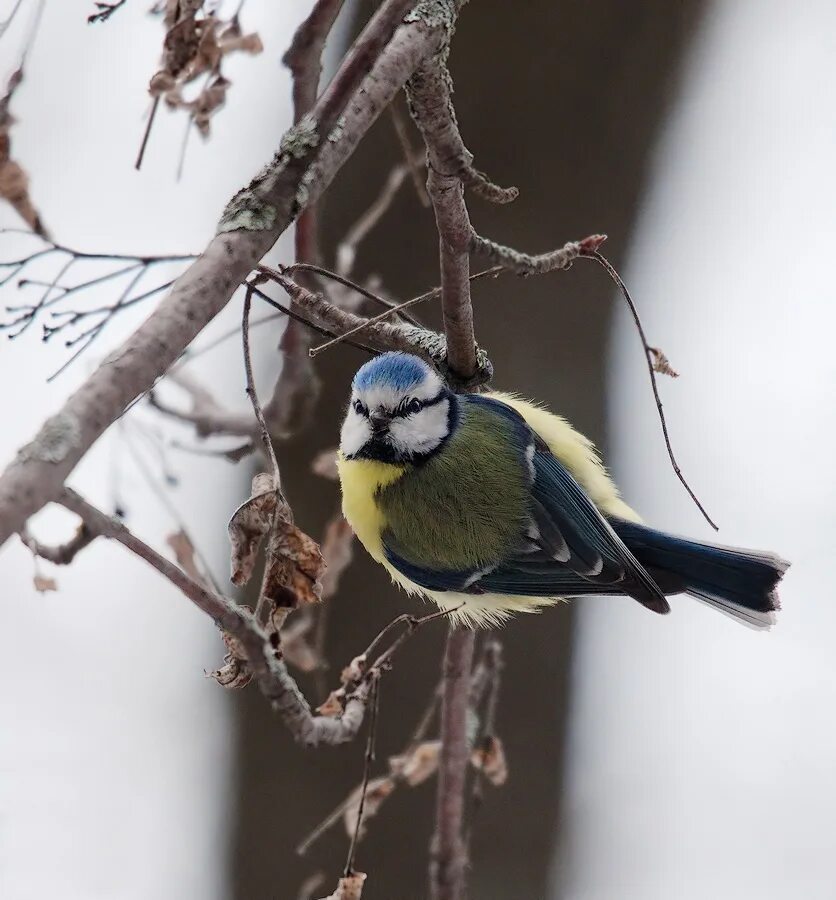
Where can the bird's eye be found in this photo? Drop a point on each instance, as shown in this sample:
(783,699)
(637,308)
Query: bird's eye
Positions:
(414,405)
(359,407)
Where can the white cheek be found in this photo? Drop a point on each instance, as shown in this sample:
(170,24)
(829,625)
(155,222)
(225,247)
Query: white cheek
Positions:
(421,432)
(355,432)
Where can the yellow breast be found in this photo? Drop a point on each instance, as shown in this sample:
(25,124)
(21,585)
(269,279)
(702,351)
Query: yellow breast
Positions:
(361,479)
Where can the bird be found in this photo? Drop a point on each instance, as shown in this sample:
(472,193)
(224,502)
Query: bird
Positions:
(488,505)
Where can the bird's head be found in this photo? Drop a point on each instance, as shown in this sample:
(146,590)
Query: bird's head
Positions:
(400,411)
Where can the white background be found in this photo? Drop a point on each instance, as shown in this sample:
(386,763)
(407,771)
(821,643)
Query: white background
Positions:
(115,751)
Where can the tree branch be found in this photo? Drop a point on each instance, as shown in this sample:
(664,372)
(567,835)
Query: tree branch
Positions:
(270,671)
(448,851)
(311,154)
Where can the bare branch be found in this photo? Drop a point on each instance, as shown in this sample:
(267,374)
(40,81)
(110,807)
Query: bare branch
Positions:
(250,226)
(368,759)
(105,11)
(63,554)
(448,850)
(525,264)
(399,309)
(274,680)
(414,163)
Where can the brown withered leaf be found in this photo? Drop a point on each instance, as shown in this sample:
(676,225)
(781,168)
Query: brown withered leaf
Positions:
(14,182)
(337,551)
(491,761)
(377,791)
(235,673)
(43,584)
(661,363)
(293,560)
(350,887)
(183,550)
(325,465)
(248,526)
(294,566)
(418,765)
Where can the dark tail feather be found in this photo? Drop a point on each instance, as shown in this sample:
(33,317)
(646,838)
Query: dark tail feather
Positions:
(739,583)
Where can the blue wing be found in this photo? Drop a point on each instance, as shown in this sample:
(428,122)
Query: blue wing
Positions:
(568,549)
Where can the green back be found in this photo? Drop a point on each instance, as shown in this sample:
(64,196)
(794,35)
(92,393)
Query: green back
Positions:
(466,506)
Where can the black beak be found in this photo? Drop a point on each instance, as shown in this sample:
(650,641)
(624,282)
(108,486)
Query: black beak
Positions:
(379,423)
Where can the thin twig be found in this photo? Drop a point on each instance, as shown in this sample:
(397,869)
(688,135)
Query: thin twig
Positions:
(348,283)
(346,254)
(368,759)
(648,355)
(251,392)
(63,554)
(147,133)
(274,680)
(398,308)
(412,161)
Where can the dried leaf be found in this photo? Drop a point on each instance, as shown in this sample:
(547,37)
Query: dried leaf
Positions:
(491,760)
(337,551)
(235,673)
(661,363)
(349,888)
(325,465)
(294,566)
(418,765)
(293,560)
(14,182)
(184,554)
(333,705)
(248,526)
(377,791)
(43,584)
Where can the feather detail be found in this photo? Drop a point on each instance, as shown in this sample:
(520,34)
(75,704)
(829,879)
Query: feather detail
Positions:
(575,451)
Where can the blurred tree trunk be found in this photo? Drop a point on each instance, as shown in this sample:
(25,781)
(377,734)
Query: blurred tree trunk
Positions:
(564,101)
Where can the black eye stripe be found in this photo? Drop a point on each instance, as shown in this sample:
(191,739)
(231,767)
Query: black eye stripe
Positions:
(407,407)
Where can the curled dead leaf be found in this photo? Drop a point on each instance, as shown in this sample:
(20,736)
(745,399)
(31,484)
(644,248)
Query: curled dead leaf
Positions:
(235,673)
(248,526)
(376,793)
(417,765)
(196,41)
(294,566)
(661,363)
(490,759)
(43,584)
(14,182)
(293,560)
(349,888)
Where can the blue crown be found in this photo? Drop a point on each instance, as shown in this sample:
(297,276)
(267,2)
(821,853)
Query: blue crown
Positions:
(399,371)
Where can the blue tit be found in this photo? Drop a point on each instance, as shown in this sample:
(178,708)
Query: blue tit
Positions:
(490,505)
